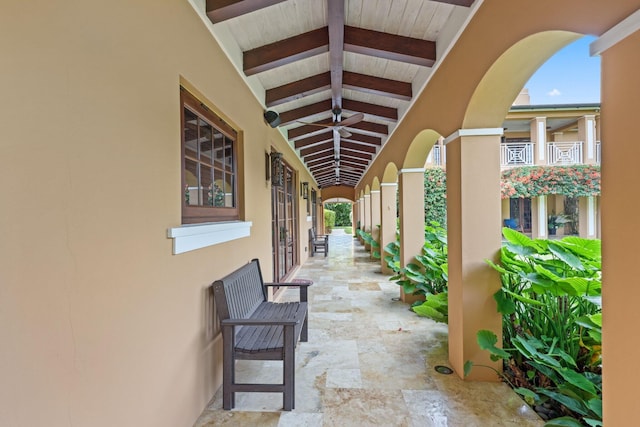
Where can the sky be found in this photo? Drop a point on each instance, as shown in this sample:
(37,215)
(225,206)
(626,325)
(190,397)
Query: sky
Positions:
(571,76)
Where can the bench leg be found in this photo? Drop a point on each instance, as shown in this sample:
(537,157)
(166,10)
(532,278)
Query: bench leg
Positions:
(228,370)
(289,369)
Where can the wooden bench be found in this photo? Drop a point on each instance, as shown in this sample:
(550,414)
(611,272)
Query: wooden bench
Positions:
(318,243)
(256,329)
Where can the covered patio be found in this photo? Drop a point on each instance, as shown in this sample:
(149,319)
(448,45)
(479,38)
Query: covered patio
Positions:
(369,361)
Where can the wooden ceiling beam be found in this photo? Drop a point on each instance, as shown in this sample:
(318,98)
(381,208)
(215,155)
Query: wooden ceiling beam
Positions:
(358,154)
(378,111)
(389,46)
(313,140)
(291,116)
(286,51)
(328,161)
(365,148)
(367,139)
(221,10)
(319,155)
(370,128)
(377,86)
(335,25)
(316,149)
(298,89)
(465,3)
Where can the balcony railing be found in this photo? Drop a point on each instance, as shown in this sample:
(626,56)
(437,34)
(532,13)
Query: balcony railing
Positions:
(564,153)
(436,152)
(516,154)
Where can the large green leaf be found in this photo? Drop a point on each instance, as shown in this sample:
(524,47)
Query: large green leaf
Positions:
(505,305)
(468,365)
(430,312)
(589,248)
(596,406)
(524,299)
(573,404)
(487,341)
(517,238)
(566,256)
(582,285)
(563,422)
(578,380)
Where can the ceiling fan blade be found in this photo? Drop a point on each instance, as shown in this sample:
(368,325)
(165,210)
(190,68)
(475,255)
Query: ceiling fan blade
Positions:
(358,117)
(344,133)
(322,125)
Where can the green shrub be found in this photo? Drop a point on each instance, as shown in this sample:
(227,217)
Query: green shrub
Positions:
(343,213)
(329,220)
(428,276)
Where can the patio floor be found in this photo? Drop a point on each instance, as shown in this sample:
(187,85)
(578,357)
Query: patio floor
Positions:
(369,362)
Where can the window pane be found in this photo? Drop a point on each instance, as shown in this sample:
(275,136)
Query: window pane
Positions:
(191,183)
(206,183)
(218,147)
(190,134)
(229,198)
(218,189)
(228,155)
(205,143)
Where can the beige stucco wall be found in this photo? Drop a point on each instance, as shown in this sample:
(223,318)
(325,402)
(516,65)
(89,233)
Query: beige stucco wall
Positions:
(100,325)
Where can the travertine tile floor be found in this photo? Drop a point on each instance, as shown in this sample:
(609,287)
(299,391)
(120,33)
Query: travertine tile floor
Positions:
(369,362)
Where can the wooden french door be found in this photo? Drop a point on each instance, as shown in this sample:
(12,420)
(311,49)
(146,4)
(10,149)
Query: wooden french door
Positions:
(520,209)
(284,226)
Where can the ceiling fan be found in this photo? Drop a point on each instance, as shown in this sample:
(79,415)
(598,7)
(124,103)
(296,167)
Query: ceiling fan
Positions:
(338,126)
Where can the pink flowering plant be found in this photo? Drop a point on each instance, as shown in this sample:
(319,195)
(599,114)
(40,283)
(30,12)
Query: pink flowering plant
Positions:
(533,181)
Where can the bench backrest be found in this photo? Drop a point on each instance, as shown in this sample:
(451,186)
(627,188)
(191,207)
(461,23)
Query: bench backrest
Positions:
(238,294)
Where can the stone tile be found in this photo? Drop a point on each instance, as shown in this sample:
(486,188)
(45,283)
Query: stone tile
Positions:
(300,419)
(353,407)
(344,378)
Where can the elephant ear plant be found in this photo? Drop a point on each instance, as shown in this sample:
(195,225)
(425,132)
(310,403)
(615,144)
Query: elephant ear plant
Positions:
(427,276)
(550,301)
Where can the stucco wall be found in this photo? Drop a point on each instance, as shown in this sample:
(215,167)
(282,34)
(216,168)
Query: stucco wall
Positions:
(100,325)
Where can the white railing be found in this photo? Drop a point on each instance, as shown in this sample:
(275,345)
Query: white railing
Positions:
(436,151)
(598,153)
(436,156)
(564,153)
(516,154)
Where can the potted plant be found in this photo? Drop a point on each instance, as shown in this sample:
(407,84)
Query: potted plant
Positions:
(554,221)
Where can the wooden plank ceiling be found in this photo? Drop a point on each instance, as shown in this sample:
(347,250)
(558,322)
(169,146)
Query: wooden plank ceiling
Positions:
(338,72)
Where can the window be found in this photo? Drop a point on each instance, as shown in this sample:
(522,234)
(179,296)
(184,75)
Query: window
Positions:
(209,164)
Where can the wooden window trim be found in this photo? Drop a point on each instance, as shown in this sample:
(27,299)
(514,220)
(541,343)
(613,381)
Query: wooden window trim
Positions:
(201,214)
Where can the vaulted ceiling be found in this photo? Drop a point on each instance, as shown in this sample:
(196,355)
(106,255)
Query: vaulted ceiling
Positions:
(340,73)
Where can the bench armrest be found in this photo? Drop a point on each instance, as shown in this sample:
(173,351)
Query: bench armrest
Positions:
(301,285)
(259,322)
(291,284)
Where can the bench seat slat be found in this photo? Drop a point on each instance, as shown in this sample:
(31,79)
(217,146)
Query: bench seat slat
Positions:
(255,339)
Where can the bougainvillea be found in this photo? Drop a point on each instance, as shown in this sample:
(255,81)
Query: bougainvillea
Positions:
(533,181)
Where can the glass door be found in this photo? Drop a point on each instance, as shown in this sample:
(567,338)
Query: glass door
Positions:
(284,226)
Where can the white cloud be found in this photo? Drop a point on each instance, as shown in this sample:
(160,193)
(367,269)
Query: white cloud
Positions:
(554,92)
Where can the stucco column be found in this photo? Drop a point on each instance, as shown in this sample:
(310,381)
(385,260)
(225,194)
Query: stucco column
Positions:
(587,134)
(375,216)
(473,221)
(388,215)
(620,153)
(411,194)
(361,215)
(539,140)
(367,217)
(539,223)
(588,218)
